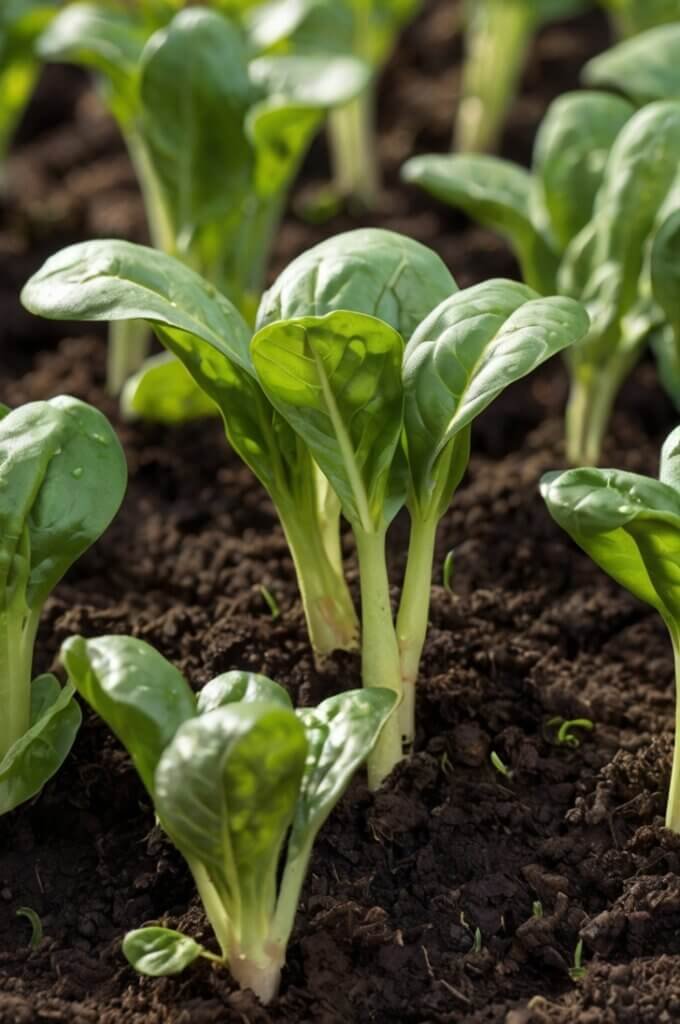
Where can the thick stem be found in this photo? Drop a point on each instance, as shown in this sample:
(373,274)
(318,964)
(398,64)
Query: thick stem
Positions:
(129,343)
(497,40)
(379,649)
(413,615)
(351,130)
(673,805)
(331,617)
(591,400)
(17,638)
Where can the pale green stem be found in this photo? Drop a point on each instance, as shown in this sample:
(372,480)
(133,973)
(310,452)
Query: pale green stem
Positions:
(130,340)
(331,617)
(497,39)
(214,911)
(379,649)
(591,400)
(413,616)
(673,805)
(351,130)
(129,343)
(289,895)
(17,639)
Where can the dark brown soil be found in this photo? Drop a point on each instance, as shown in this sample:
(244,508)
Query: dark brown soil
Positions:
(455,893)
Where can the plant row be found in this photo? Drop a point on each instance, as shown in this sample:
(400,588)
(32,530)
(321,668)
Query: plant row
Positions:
(349,388)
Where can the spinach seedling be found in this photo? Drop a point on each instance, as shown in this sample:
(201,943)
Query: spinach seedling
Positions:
(389,423)
(344,408)
(240,782)
(644,68)
(21,22)
(216,133)
(387,275)
(498,34)
(363,29)
(582,224)
(630,526)
(62,479)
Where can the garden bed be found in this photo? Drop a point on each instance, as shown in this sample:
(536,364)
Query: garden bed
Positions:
(422,903)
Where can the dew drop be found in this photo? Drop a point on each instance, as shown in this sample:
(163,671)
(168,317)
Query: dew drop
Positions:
(77,472)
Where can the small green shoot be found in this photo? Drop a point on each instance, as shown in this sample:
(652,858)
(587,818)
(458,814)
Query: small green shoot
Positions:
(564,730)
(447,572)
(500,765)
(478,941)
(35,923)
(270,601)
(537,909)
(577,971)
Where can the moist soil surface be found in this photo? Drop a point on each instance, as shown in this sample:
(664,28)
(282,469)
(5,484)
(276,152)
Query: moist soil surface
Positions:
(456,893)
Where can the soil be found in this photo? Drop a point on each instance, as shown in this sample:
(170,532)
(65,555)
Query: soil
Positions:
(456,893)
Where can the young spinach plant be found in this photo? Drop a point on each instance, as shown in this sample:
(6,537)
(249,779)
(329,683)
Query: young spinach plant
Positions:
(498,34)
(240,782)
(21,22)
(630,526)
(582,224)
(216,134)
(389,424)
(62,479)
(363,29)
(342,403)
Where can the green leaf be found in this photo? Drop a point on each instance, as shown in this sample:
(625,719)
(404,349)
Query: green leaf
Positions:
(280,133)
(116,280)
(64,476)
(226,790)
(665,277)
(669,469)
(646,67)
(240,687)
(380,273)
(195,92)
(341,732)
(141,696)
(465,353)
(497,194)
(107,41)
(628,524)
(638,187)
(570,154)
(40,752)
(336,379)
(163,391)
(4,411)
(157,951)
(321,82)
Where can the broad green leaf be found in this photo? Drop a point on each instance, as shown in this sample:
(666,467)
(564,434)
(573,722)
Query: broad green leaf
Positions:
(107,41)
(141,696)
(163,391)
(465,353)
(241,687)
(64,475)
(669,468)
(646,67)
(341,733)
(226,789)
(380,273)
(336,379)
(497,194)
(195,92)
(570,154)
(318,81)
(639,183)
(115,280)
(628,524)
(40,752)
(665,276)
(275,21)
(159,951)
(280,133)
